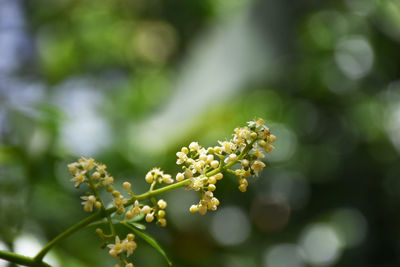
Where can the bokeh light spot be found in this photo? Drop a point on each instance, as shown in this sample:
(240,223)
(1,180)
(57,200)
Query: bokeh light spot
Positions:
(270,213)
(354,57)
(230,226)
(320,245)
(283,255)
(350,225)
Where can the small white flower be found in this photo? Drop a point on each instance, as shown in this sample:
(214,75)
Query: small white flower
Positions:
(73,167)
(259,154)
(87,164)
(227,146)
(88,203)
(79,178)
(194,146)
(129,246)
(231,158)
(136,208)
(119,202)
(257,166)
(167,179)
(116,248)
(149,177)
(196,184)
(180,176)
(182,157)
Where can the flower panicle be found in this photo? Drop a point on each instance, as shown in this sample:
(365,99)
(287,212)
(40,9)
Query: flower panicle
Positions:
(201,167)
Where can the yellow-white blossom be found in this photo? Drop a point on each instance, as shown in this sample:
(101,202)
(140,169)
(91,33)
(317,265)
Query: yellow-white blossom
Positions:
(88,203)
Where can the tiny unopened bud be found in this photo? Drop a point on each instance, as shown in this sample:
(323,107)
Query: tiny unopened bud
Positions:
(120,211)
(130,237)
(211,187)
(214,164)
(149,217)
(162,204)
(149,178)
(212,180)
(96,175)
(97,205)
(194,208)
(116,193)
(203,157)
(188,173)
(161,214)
(109,188)
(253,135)
(208,195)
(245,162)
(126,185)
(219,176)
(129,215)
(185,150)
(146,209)
(180,176)
(99,231)
(262,143)
(162,222)
(232,157)
(243,188)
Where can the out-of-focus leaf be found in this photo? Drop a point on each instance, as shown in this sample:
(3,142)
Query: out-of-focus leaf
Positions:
(152,242)
(138,225)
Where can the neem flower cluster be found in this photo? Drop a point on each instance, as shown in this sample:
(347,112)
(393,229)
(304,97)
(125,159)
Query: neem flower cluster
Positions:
(202,169)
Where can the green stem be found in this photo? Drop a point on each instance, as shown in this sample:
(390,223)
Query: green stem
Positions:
(22,260)
(103,208)
(92,218)
(158,191)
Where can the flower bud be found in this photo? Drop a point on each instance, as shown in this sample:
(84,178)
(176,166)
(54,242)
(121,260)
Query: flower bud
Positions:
(214,164)
(146,209)
(149,217)
(126,185)
(162,204)
(219,176)
(211,187)
(129,215)
(180,176)
(194,208)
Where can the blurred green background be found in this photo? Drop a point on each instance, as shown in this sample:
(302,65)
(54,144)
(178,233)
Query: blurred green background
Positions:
(129,82)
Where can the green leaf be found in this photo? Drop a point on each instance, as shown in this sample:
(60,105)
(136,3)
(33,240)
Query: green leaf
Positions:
(137,218)
(138,225)
(152,242)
